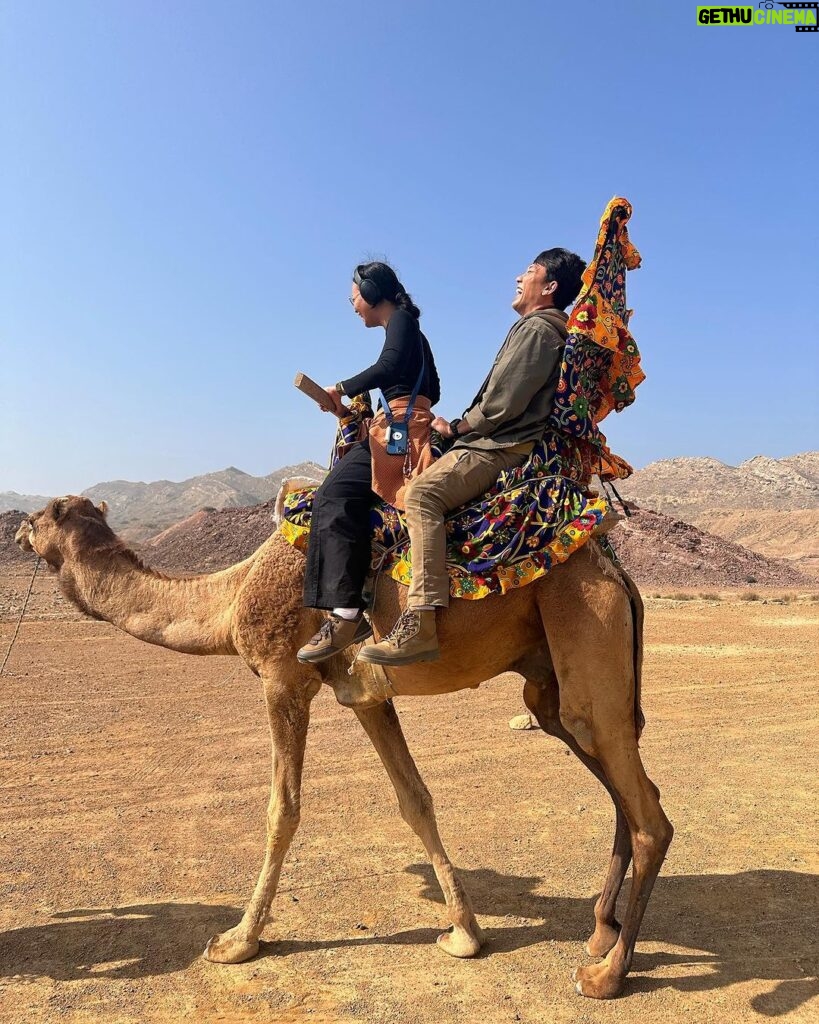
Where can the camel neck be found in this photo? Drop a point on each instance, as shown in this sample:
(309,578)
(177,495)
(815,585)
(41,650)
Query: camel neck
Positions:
(191,615)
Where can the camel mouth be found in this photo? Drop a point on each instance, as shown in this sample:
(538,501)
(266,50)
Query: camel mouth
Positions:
(23,536)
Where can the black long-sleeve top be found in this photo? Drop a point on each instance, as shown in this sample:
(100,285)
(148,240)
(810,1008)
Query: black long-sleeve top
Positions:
(396,370)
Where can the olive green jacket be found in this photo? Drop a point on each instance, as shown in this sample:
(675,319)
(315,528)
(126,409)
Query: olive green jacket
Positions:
(515,401)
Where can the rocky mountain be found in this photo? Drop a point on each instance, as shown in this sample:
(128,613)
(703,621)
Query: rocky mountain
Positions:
(11,501)
(768,505)
(139,510)
(659,550)
(210,539)
(792,535)
(690,486)
(807,464)
(656,549)
(10,554)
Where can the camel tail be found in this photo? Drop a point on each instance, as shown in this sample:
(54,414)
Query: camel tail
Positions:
(637,618)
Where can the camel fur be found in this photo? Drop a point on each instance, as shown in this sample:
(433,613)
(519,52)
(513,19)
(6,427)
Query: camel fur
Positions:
(575,636)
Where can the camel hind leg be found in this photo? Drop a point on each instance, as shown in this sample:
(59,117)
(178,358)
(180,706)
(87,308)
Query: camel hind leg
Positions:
(588,616)
(651,834)
(540,694)
(464,938)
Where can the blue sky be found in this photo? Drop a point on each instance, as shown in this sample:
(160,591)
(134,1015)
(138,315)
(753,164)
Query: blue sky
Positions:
(188,185)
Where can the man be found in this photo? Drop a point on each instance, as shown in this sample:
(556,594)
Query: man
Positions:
(498,431)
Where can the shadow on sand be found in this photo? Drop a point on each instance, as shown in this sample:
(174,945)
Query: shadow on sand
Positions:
(754,925)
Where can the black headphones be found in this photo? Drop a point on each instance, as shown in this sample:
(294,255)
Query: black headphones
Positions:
(370,292)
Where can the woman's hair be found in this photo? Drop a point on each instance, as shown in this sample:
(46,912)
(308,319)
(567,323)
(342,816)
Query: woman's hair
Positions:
(389,287)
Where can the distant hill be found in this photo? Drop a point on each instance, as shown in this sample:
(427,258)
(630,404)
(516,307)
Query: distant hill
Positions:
(10,554)
(691,486)
(210,539)
(11,501)
(768,505)
(659,550)
(138,510)
(656,549)
(792,535)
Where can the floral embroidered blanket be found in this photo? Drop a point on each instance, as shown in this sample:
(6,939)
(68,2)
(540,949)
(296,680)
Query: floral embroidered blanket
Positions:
(534,517)
(540,513)
(601,362)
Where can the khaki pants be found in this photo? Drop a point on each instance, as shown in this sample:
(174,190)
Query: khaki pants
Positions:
(457,477)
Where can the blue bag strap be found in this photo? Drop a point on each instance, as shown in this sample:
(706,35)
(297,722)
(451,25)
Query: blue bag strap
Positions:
(386,405)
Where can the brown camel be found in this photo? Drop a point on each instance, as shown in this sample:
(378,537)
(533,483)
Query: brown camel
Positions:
(575,636)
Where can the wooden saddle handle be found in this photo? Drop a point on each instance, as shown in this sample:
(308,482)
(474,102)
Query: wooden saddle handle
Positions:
(310,388)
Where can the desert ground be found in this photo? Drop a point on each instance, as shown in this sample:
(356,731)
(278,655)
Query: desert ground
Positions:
(134,786)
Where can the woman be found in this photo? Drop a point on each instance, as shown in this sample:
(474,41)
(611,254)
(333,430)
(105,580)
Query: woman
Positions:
(393,450)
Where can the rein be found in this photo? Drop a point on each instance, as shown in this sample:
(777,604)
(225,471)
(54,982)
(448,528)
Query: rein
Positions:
(22,613)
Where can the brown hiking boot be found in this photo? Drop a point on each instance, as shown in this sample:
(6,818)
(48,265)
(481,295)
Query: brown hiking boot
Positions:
(413,638)
(335,634)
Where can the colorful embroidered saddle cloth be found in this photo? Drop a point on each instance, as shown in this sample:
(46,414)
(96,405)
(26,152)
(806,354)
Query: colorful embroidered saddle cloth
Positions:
(539,513)
(601,362)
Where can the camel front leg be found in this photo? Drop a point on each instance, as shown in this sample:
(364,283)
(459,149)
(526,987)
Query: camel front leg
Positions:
(464,938)
(288,710)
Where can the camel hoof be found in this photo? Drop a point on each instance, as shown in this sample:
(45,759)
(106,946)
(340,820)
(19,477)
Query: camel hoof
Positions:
(457,941)
(229,949)
(603,940)
(598,981)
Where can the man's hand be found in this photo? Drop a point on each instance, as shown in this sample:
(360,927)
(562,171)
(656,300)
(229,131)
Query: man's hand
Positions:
(334,403)
(442,426)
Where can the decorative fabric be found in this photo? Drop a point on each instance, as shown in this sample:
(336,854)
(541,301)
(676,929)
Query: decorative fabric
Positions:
(535,517)
(601,361)
(352,427)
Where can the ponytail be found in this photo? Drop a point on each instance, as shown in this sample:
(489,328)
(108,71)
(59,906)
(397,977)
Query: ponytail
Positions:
(404,301)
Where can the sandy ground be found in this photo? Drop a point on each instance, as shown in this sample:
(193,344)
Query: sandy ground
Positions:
(133,791)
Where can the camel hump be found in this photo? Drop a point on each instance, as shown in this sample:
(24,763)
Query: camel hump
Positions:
(294,483)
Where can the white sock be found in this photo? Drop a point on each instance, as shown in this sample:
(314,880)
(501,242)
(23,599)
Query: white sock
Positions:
(423,608)
(347,613)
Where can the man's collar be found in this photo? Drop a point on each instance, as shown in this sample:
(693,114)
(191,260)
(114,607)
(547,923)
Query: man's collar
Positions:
(551,310)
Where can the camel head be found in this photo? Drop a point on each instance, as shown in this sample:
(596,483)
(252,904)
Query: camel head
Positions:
(66,525)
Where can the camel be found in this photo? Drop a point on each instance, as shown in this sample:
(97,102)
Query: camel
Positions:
(575,636)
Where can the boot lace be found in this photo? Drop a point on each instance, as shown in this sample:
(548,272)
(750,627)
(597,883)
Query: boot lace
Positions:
(325,632)
(405,629)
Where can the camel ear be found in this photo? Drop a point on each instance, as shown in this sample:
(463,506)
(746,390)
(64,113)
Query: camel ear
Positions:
(58,508)
(102,508)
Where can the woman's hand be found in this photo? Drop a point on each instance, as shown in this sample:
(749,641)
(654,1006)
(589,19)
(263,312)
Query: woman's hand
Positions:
(442,426)
(334,403)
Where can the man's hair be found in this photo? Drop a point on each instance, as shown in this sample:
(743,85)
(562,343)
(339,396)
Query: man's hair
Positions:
(567,269)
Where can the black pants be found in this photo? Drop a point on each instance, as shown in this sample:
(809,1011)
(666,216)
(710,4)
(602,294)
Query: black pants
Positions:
(338,553)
